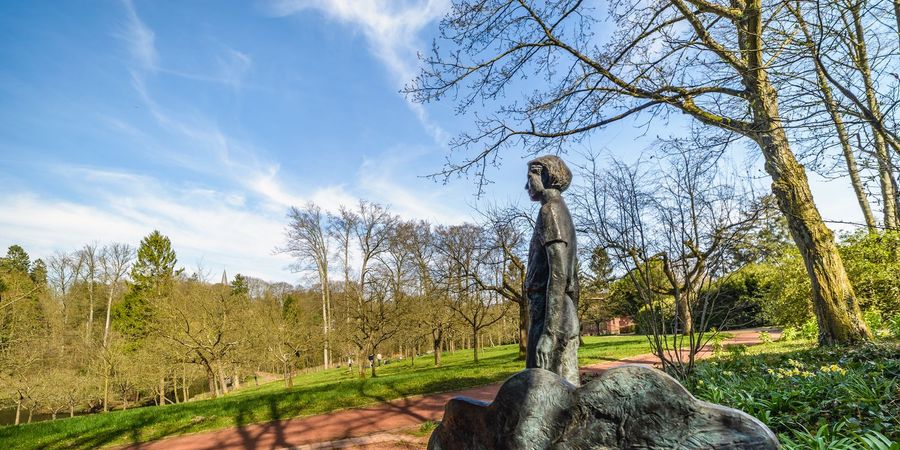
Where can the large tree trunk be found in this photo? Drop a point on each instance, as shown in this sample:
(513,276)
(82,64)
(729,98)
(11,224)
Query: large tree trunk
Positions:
(185,389)
(834,302)
(222,378)
(106,376)
(438,349)
(325,320)
(837,311)
(19,410)
(109,299)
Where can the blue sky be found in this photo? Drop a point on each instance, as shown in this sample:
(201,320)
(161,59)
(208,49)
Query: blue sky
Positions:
(208,119)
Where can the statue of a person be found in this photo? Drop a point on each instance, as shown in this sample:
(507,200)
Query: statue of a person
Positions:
(551,280)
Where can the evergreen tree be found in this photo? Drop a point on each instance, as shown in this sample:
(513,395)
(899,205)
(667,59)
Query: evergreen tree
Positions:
(39,272)
(155,265)
(152,275)
(239,285)
(16,259)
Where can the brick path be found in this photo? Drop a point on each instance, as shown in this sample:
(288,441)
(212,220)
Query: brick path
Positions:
(368,427)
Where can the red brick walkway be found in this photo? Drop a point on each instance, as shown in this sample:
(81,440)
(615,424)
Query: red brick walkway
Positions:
(353,423)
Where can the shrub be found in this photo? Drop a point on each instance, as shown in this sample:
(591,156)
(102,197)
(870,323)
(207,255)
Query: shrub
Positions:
(781,287)
(894,326)
(765,337)
(872,261)
(789,334)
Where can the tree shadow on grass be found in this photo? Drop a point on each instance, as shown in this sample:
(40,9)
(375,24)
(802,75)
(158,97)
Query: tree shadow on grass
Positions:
(138,431)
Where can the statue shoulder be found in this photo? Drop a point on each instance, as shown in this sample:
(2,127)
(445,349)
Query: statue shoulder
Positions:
(555,221)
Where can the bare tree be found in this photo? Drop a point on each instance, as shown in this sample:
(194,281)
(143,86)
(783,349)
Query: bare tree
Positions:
(62,272)
(809,48)
(508,228)
(436,316)
(307,241)
(708,60)
(89,260)
(462,257)
(367,230)
(115,262)
(672,233)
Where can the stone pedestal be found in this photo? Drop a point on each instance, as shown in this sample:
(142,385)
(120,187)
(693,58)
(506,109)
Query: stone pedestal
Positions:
(629,407)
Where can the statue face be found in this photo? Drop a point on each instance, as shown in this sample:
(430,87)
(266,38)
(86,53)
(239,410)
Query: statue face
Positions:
(534,185)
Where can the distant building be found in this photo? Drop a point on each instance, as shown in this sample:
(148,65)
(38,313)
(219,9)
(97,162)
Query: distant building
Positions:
(615,325)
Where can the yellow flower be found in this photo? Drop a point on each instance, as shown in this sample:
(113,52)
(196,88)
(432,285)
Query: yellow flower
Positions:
(700,382)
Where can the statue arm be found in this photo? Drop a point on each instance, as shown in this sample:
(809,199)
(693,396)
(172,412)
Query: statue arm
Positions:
(554,322)
(556,289)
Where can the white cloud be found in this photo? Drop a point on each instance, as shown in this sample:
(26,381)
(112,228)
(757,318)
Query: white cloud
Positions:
(140,39)
(237,227)
(380,178)
(392,28)
(204,224)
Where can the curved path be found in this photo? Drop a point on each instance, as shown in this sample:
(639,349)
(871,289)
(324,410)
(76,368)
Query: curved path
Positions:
(369,427)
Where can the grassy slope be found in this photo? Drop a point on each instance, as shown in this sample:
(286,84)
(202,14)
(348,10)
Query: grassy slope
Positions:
(312,394)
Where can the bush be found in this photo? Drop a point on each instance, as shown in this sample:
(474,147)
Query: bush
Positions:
(789,334)
(872,261)
(734,301)
(832,397)
(781,287)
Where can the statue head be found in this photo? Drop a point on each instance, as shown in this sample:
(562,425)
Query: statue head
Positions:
(547,172)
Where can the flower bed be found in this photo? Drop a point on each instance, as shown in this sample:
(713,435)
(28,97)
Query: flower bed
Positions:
(824,398)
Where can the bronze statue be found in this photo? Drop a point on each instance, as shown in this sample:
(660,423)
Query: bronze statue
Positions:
(631,406)
(551,280)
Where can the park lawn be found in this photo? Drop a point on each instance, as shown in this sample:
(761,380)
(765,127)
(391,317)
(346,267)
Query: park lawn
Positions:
(313,393)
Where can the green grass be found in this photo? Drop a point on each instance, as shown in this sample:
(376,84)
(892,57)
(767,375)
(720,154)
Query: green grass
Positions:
(313,393)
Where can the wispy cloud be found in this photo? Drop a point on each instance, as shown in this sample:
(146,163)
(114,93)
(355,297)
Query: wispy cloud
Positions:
(393,29)
(140,39)
(205,225)
(231,65)
(379,178)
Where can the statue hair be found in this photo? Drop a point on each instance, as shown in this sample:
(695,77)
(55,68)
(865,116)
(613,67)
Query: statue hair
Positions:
(556,173)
